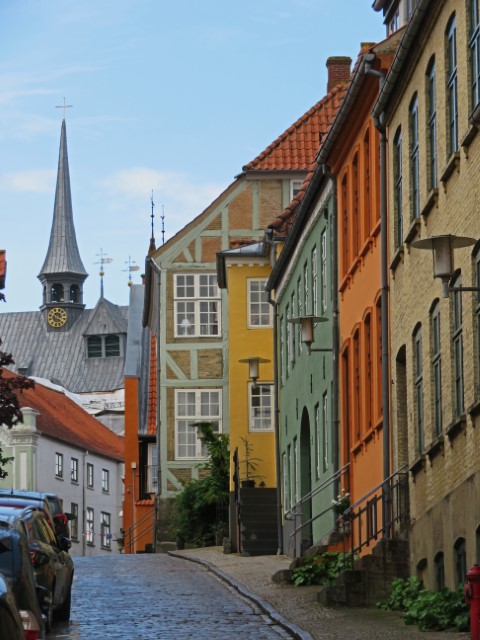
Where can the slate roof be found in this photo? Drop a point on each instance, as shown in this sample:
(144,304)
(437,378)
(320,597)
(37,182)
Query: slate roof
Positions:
(296,148)
(63,255)
(60,356)
(63,419)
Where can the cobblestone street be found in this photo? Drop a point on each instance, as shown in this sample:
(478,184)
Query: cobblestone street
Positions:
(145,597)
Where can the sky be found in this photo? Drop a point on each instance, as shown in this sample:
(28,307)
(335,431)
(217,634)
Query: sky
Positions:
(172,98)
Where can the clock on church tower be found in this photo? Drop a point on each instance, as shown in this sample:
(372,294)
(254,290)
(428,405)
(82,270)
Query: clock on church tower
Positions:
(57,317)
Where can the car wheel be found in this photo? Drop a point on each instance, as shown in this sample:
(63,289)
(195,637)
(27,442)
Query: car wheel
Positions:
(63,612)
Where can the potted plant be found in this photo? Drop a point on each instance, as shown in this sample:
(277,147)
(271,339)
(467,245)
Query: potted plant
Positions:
(341,507)
(251,466)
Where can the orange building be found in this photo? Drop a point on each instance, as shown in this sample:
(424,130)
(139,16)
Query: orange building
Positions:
(351,150)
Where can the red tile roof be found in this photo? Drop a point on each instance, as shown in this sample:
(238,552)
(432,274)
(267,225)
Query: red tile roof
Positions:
(298,146)
(147,502)
(63,419)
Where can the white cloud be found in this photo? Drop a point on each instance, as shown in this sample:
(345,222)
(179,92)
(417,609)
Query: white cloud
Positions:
(34,181)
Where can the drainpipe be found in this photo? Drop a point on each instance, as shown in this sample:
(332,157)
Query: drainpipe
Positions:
(379,122)
(84,506)
(335,338)
(276,409)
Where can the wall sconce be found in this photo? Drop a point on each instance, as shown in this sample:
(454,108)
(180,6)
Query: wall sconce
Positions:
(254,367)
(442,251)
(306,329)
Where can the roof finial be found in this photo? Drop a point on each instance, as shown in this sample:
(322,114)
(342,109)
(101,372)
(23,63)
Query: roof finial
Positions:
(103,260)
(64,106)
(152,246)
(163,225)
(131,267)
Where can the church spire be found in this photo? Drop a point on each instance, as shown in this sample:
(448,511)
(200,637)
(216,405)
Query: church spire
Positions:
(63,273)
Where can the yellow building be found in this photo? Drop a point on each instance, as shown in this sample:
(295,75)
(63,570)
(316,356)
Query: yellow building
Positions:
(253,497)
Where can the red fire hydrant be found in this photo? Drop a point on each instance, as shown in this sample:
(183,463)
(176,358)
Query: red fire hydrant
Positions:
(472,598)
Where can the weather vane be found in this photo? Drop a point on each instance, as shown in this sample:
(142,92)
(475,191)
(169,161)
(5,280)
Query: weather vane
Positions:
(132,266)
(103,260)
(163,225)
(64,106)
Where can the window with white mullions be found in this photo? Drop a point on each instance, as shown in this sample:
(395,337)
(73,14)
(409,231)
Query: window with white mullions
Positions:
(324,271)
(260,407)
(105,529)
(314,282)
(474,45)
(89,522)
(191,407)
(325,425)
(259,310)
(197,305)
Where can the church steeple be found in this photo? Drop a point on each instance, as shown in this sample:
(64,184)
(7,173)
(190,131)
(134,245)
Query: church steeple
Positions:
(63,274)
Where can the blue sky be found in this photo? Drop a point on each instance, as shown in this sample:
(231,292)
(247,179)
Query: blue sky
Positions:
(169,97)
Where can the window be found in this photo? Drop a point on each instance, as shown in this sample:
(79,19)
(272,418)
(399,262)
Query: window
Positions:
(191,407)
(282,350)
(74,470)
(295,186)
(74,293)
(457,338)
(57,292)
(260,407)
(89,475)
(74,521)
(356,384)
(295,473)
(288,344)
(293,330)
(318,441)
(439,569)
(432,125)
(474,45)
(105,530)
(418,391)
(103,346)
(460,554)
(105,480)
(356,217)
(325,423)
(345,223)
(299,327)
(436,369)
(368,383)
(259,310)
(324,270)
(366,168)
(197,305)
(452,97)
(414,160)
(398,187)
(314,282)
(89,522)
(59,465)
(306,290)
(286,500)
(152,472)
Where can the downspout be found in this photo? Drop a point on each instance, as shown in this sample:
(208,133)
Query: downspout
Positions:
(379,122)
(276,408)
(156,504)
(335,338)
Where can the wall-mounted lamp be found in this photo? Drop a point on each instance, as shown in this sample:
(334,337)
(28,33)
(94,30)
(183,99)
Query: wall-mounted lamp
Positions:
(306,329)
(442,250)
(254,367)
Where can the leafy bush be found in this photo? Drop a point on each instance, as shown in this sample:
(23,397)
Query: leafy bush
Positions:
(429,609)
(321,569)
(202,506)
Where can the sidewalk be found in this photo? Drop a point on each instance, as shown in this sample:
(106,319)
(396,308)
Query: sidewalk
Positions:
(296,608)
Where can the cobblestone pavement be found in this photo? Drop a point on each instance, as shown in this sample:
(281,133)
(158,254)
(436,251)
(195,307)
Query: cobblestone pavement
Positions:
(298,605)
(150,597)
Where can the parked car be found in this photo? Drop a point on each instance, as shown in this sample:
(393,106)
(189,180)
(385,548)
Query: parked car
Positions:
(52,504)
(52,564)
(10,622)
(17,569)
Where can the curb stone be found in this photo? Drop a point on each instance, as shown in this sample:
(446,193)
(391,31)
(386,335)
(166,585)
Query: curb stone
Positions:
(266,607)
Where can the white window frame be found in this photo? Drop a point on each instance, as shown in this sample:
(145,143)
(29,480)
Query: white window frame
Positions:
(90,526)
(90,476)
(314,281)
(260,417)
(295,187)
(105,481)
(325,423)
(184,429)
(106,529)
(286,490)
(74,470)
(258,297)
(59,465)
(152,471)
(324,276)
(318,454)
(193,307)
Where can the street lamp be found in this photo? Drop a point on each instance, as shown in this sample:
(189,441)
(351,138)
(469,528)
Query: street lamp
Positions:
(442,250)
(306,330)
(254,367)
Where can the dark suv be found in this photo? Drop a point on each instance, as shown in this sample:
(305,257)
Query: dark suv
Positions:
(16,567)
(52,564)
(51,504)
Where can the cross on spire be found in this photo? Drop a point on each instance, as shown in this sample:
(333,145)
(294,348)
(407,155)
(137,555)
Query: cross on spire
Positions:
(64,106)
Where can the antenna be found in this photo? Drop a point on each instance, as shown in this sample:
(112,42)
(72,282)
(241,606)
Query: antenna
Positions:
(132,266)
(163,224)
(152,215)
(103,260)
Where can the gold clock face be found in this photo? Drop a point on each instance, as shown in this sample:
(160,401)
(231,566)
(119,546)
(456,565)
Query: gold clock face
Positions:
(57,317)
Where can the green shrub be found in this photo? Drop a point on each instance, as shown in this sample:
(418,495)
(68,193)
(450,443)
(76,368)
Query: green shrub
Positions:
(436,610)
(321,569)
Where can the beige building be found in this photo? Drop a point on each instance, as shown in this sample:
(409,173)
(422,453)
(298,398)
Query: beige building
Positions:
(431,104)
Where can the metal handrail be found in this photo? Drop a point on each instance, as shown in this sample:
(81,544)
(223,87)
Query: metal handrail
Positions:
(133,527)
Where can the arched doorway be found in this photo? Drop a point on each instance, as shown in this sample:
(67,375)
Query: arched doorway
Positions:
(305,482)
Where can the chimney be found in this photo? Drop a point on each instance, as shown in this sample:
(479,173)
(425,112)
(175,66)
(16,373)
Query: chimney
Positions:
(338,71)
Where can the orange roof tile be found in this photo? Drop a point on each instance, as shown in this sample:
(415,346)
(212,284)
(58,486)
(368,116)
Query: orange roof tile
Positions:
(147,502)
(297,147)
(63,419)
